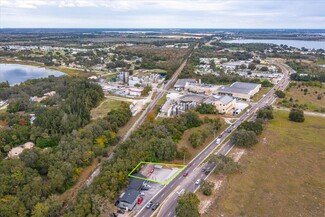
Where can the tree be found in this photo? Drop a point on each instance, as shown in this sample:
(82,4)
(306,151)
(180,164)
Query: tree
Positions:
(188,205)
(206,188)
(146,90)
(255,126)
(206,109)
(243,66)
(40,210)
(266,83)
(244,138)
(252,66)
(280,94)
(192,119)
(195,139)
(264,69)
(265,113)
(296,115)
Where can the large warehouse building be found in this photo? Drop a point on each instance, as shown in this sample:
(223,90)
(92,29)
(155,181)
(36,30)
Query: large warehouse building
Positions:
(240,90)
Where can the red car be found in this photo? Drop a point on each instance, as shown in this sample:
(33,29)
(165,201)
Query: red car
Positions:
(140,199)
(185,174)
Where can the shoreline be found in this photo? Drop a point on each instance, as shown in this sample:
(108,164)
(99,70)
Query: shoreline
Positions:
(67,71)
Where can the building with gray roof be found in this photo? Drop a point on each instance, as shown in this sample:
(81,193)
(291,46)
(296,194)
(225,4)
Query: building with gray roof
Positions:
(129,199)
(181,83)
(240,90)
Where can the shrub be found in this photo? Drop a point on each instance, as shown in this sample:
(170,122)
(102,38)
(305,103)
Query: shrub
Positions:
(296,115)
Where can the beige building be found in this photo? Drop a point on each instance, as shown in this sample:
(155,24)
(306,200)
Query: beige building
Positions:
(224,104)
(207,89)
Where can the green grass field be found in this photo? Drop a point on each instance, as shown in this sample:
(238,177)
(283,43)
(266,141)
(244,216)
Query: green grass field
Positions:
(310,100)
(103,108)
(283,175)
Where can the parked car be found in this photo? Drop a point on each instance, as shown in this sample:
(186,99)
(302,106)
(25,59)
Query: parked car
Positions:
(149,205)
(140,199)
(121,211)
(155,206)
(185,174)
(198,182)
(203,169)
(145,188)
(141,194)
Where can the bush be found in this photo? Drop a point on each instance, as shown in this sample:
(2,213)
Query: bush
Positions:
(296,115)
(280,94)
(207,187)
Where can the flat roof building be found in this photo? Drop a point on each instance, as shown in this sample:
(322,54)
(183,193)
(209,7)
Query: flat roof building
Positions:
(181,83)
(240,90)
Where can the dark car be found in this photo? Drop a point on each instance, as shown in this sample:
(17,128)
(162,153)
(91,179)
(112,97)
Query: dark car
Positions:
(121,211)
(220,136)
(155,206)
(185,174)
(203,169)
(149,205)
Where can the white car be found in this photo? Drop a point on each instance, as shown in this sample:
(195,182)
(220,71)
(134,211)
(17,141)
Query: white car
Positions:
(198,182)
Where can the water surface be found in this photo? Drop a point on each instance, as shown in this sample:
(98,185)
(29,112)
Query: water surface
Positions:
(16,73)
(292,43)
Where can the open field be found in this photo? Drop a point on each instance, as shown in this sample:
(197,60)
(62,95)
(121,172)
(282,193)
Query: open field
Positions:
(283,175)
(310,99)
(106,106)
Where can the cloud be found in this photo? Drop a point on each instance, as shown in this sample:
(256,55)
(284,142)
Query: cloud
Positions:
(163,13)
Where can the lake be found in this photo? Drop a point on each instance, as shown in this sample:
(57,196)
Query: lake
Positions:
(16,73)
(292,43)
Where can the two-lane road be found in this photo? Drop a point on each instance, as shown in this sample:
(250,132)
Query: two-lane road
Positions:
(168,195)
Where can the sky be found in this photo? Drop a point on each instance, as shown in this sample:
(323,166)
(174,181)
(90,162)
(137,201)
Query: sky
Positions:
(162,14)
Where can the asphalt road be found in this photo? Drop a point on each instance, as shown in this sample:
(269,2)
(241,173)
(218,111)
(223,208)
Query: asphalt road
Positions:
(168,195)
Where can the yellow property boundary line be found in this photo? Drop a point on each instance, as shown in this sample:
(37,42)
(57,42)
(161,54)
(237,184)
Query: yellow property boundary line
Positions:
(164,164)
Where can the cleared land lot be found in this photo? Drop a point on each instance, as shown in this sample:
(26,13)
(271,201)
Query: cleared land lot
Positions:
(310,99)
(105,106)
(284,175)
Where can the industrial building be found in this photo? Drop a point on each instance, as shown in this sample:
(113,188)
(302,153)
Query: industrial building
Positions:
(240,90)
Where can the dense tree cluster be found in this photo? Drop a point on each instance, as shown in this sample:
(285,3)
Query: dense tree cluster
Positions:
(244,138)
(306,72)
(154,141)
(63,147)
(206,109)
